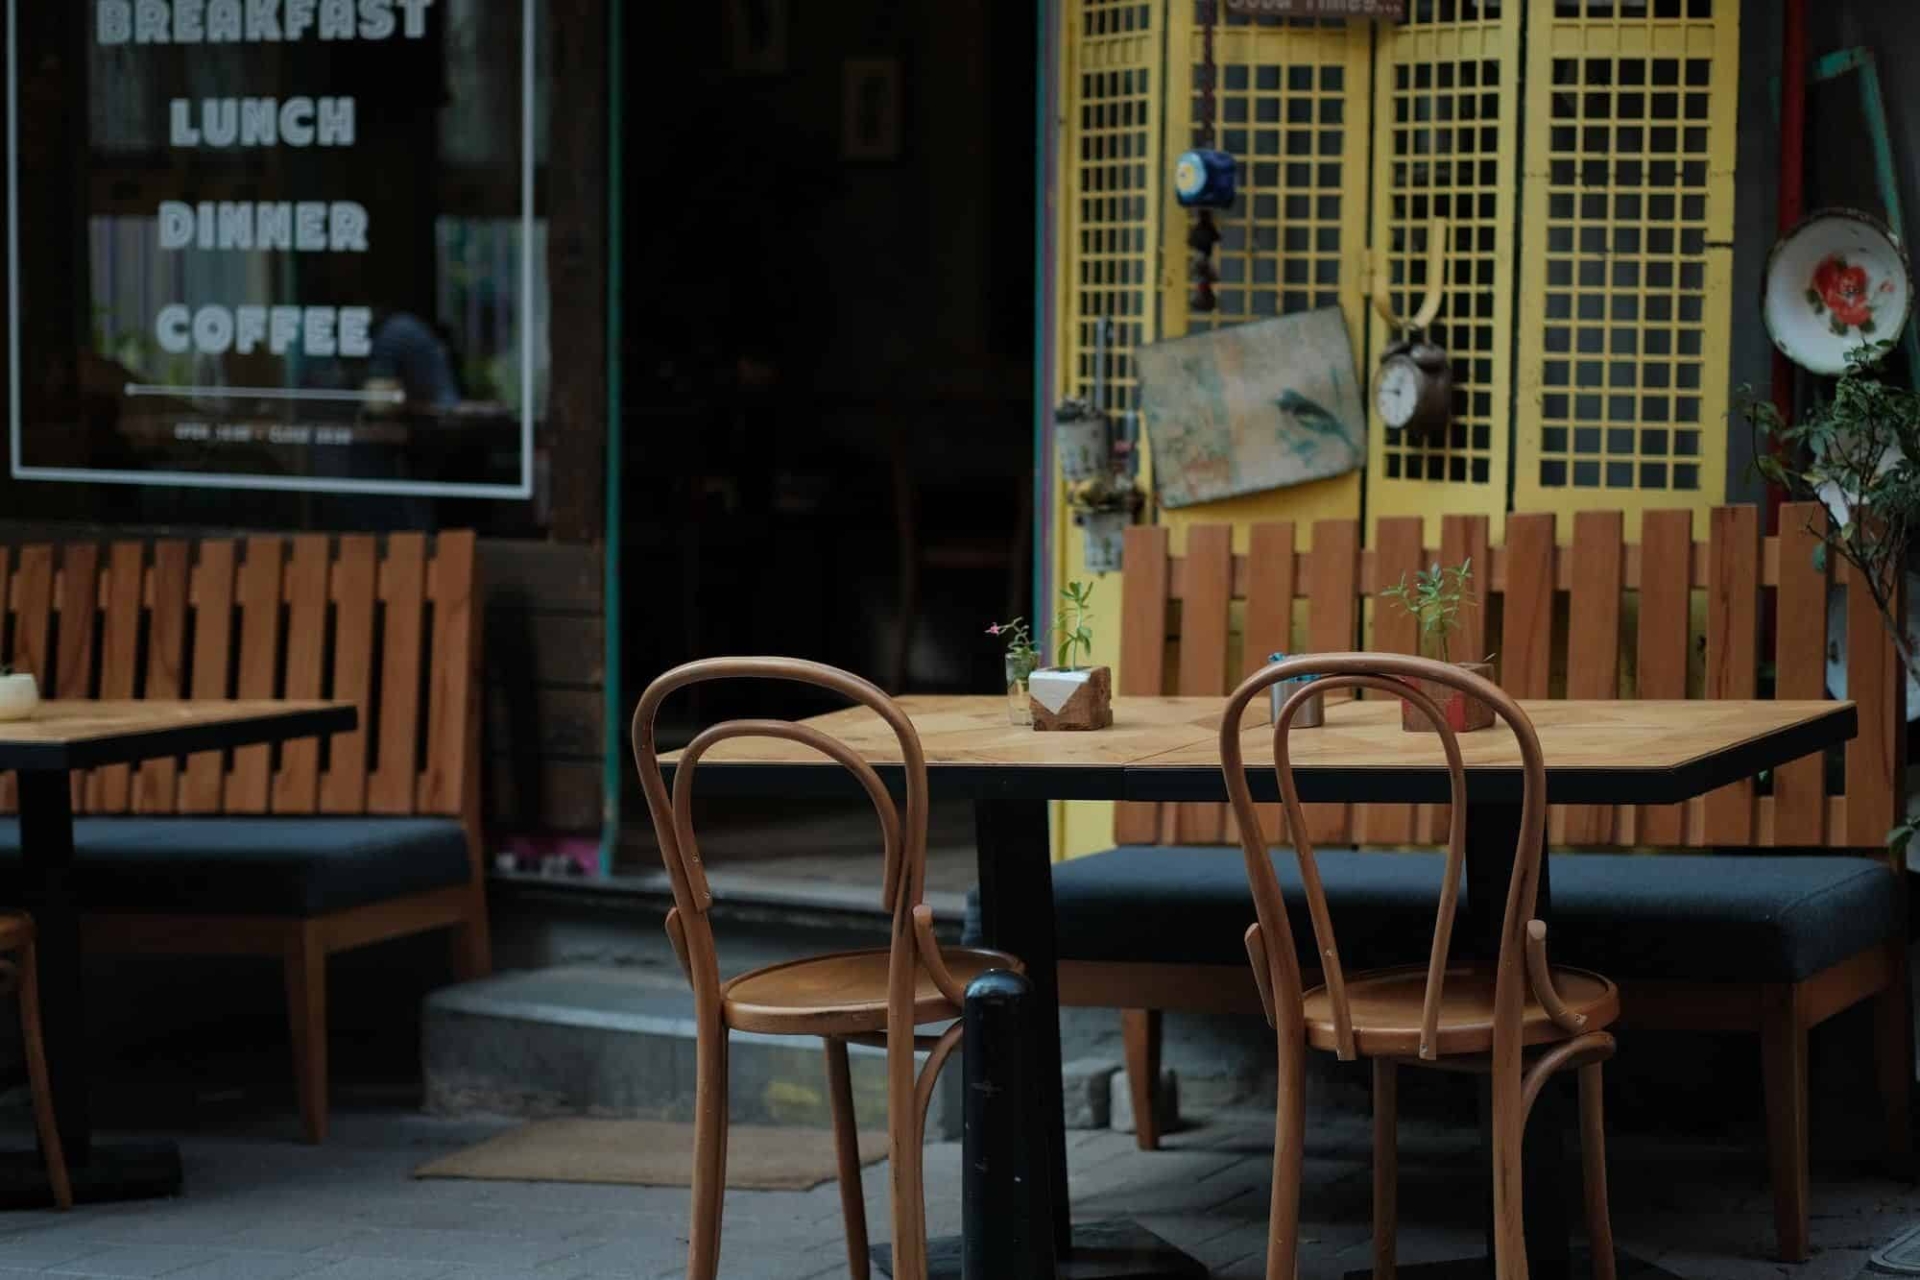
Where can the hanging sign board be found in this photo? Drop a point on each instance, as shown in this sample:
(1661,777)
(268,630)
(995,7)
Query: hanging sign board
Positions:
(1394,9)
(270,285)
(1252,407)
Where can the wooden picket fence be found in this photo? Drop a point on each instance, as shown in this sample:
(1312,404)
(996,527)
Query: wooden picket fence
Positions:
(388,625)
(1678,614)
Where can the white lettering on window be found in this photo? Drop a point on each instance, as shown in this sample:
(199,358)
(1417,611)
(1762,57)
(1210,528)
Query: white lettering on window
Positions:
(170,330)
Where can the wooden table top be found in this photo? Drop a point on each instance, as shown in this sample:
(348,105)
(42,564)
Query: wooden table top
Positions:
(84,734)
(1168,749)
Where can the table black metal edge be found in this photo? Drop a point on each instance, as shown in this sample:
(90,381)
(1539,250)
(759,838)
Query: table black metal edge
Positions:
(125,747)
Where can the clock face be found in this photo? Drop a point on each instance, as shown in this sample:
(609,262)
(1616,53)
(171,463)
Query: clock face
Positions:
(1396,392)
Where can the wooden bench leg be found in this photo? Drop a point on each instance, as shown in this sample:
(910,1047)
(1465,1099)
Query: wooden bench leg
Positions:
(1140,1036)
(473,942)
(306,964)
(1783,1052)
(1893,1051)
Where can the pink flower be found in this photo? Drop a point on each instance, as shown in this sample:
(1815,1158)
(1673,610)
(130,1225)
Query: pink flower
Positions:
(995,629)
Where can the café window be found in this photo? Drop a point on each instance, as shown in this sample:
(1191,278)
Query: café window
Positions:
(289,248)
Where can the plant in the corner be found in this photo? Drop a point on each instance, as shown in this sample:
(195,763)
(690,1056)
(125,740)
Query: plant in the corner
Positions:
(1434,600)
(19,694)
(1071,695)
(1858,455)
(1020,660)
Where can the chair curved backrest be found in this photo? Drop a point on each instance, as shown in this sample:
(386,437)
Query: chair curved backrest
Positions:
(904,834)
(1277,969)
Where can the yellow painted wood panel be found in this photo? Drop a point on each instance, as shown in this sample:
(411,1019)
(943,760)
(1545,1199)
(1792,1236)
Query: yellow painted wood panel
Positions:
(1446,130)
(1626,253)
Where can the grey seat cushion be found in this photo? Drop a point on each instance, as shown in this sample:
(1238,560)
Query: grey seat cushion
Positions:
(1729,917)
(1677,917)
(298,867)
(1189,904)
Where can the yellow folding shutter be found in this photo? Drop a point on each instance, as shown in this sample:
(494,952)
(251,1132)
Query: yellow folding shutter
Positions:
(1111,182)
(1290,106)
(1626,255)
(1445,133)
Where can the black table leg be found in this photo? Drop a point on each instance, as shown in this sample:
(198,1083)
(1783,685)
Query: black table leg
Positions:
(99,1171)
(1016,916)
(1015,856)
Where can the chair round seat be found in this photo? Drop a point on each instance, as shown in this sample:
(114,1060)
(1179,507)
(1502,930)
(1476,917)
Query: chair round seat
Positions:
(1385,1005)
(843,993)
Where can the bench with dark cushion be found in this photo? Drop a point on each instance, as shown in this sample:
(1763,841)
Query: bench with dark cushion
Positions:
(1789,924)
(297,868)
(1726,917)
(299,851)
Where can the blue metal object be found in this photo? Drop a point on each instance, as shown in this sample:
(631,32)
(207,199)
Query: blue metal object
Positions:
(1204,179)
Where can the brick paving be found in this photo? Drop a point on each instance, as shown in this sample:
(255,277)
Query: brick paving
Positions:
(261,1207)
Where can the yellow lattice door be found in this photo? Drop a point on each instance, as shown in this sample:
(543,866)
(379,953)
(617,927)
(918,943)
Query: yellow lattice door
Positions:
(1112,179)
(1445,128)
(1290,106)
(1626,255)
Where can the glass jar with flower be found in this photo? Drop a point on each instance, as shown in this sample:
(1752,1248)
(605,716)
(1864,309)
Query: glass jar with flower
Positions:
(1021,658)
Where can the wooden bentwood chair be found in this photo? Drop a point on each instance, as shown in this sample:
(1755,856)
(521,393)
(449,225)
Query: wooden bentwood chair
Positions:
(876,996)
(20,972)
(1458,1017)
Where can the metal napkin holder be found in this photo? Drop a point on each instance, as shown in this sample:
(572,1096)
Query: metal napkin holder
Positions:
(1313,711)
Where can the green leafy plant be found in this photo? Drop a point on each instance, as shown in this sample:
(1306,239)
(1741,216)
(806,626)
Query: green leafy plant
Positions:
(1434,599)
(1022,656)
(1071,631)
(1858,455)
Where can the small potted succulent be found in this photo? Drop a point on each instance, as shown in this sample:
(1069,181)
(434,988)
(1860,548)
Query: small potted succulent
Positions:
(1071,696)
(1104,506)
(19,694)
(1021,658)
(1434,599)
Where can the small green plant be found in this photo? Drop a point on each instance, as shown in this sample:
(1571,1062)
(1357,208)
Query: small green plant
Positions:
(1022,656)
(1070,629)
(1434,599)
(1858,455)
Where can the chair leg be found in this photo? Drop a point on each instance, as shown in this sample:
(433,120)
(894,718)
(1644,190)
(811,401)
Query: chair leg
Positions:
(306,975)
(1893,1051)
(846,1143)
(36,1051)
(1593,1161)
(1386,1165)
(709,1148)
(1509,1124)
(1140,1039)
(1783,1050)
(1289,1151)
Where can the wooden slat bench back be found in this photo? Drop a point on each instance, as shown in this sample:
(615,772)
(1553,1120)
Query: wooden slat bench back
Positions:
(1593,617)
(391,625)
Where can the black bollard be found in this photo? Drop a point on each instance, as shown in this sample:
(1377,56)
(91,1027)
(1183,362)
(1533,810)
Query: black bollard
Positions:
(1006,1231)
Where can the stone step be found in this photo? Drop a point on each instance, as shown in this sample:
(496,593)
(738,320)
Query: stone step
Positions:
(619,1041)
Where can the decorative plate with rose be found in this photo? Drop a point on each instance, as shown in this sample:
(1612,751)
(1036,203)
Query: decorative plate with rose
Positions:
(1835,282)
